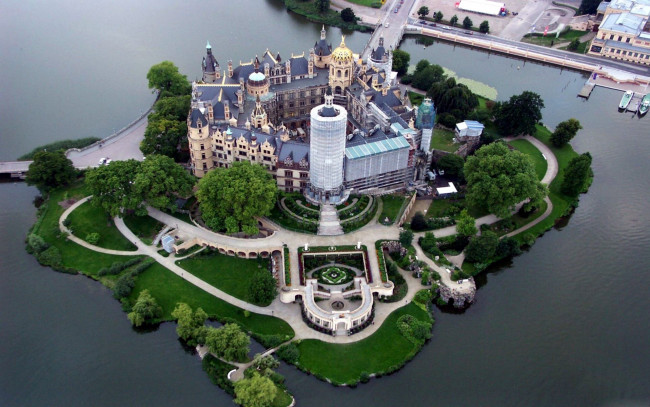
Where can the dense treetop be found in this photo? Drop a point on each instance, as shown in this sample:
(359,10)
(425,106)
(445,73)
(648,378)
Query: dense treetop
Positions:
(50,170)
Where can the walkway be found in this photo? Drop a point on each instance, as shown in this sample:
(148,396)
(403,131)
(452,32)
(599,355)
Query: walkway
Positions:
(329,224)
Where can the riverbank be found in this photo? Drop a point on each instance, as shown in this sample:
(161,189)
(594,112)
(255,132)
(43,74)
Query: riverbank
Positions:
(331,17)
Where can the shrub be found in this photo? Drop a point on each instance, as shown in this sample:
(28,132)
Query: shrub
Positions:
(413,329)
(289,353)
(92,238)
(418,222)
(364,377)
(50,257)
(123,286)
(36,244)
(481,248)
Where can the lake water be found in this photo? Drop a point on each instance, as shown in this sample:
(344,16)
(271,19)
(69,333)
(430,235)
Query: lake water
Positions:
(565,324)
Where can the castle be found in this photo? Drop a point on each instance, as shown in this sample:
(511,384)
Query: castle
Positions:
(262,111)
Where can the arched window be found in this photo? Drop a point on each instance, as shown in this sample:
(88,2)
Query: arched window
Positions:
(338,73)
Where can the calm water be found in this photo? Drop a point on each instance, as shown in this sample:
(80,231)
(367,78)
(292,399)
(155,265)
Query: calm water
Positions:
(565,324)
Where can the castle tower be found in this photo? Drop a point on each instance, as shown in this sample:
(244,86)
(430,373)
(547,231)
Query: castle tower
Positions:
(380,58)
(341,69)
(326,152)
(210,66)
(426,118)
(322,51)
(198,137)
(259,118)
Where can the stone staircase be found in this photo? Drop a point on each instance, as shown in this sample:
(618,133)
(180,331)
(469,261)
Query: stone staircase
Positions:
(329,224)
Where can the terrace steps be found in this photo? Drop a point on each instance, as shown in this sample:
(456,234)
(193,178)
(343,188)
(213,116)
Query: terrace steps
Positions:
(329,224)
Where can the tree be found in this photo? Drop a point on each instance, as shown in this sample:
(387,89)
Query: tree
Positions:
(112,187)
(418,222)
(454,98)
(231,198)
(163,136)
(453,20)
(564,132)
(166,78)
(508,246)
(405,238)
(520,114)
(484,27)
(264,364)
(322,5)
(423,11)
(228,342)
(347,15)
(451,164)
(588,6)
(438,16)
(401,61)
(465,224)
(160,181)
(577,175)
(258,391)
(498,179)
(262,288)
(191,325)
(574,44)
(428,241)
(426,74)
(467,23)
(50,170)
(171,108)
(481,248)
(145,310)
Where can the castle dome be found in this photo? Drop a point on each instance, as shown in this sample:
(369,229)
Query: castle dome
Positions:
(256,77)
(342,54)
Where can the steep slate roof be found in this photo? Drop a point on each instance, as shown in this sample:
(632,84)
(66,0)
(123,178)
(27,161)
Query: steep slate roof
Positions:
(299,66)
(196,117)
(322,48)
(297,151)
(378,54)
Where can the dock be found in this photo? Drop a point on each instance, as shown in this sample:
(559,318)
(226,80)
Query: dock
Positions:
(586,90)
(635,103)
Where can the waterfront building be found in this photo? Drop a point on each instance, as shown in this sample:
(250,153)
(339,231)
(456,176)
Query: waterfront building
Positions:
(326,151)
(624,31)
(381,58)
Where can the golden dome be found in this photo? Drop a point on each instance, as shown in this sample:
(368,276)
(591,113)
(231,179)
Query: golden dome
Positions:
(342,53)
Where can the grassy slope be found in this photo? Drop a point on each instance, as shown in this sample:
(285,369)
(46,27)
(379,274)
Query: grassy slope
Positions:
(391,205)
(88,219)
(383,350)
(229,274)
(145,227)
(530,150)
(443,140)
(169,289)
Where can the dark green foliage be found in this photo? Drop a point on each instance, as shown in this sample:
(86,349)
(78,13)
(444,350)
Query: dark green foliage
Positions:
(451,97)
(451,164)
(413,329)
(145,310)
(171,108)
(498,179)
(50,170)
(564,132)
(118,267)
(50,257)
(160,181)
(262,289)
(465,224)
(401,61)
(426,75)
(163,136)
(423,11)
(520,114)
(92,238)
(577,175)
(166,78)
(405,238)
(190,324)
(447,119)
(270,341)
(322,5)
(60,145)
(467,23)
(481,248)
(453,20)
(588,6)
(289,353)
(36,244)
(347,14)
(574,44)
(507,247)
(228,342)
(112,187)
(123,286)
(438,16)
(231,198)
(484,27)
(218,373)
(418,222)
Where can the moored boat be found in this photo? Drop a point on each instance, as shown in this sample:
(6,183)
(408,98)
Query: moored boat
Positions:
(625,100)
(645,105)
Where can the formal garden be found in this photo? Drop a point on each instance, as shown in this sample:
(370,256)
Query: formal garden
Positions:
(333,275)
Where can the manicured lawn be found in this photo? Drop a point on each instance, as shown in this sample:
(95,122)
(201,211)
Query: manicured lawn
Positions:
(438,207)
(74,256)
(444,140)
(282,399)
(385,350)
(168,289)
(530,150)
(145,227)
(88,219)
(518,221)
(391,208)
(366,3)
(547,40)
(229,274)
(561,202)
(415,98)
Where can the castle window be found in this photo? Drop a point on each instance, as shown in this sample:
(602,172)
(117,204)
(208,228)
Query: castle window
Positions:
(288,173)
(243,153)
(312,101)
(338,73)
(202,147)
(203,156)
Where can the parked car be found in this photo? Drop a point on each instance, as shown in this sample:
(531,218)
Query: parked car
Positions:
(102,161)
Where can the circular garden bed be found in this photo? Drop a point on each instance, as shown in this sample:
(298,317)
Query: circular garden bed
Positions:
(334,275)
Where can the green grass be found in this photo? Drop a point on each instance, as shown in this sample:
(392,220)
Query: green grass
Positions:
(282,399)
(145,227)
(391,208)
(74,256)
(367,3)
(416,98)
(309,10)
(60,145)
(232,275)
(169,289)
(181,216)
(546,41)
(561,202)
(517,221)
(444,140)
(438,208)
(88,218)
(384,351)
(530,150)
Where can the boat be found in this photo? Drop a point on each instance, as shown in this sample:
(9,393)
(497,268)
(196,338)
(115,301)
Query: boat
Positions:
(625,100)
(645,105)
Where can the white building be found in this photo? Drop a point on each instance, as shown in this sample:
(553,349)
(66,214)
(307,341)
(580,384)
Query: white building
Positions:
(326,151)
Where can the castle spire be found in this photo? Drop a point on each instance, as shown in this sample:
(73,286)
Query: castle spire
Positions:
(208,46)
(322,32)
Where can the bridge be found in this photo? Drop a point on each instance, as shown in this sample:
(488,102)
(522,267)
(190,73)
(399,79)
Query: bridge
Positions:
(124,144)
